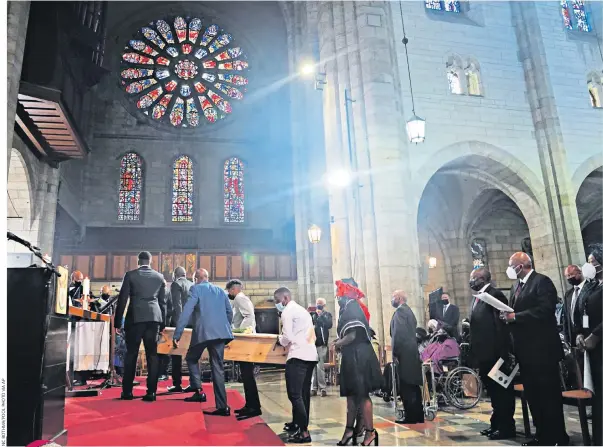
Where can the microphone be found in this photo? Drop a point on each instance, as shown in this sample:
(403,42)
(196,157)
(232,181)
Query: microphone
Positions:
(14,237)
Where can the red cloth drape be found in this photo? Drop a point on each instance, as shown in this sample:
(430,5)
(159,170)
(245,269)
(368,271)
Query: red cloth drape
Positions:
(355,293)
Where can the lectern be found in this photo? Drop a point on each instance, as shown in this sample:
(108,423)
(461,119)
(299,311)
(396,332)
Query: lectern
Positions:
(36,358)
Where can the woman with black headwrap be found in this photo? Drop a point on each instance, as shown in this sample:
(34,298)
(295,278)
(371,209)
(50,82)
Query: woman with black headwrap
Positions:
(360,371)
(589,332)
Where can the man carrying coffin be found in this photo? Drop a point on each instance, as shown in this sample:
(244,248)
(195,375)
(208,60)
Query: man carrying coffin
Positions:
(490,341)
(211,331)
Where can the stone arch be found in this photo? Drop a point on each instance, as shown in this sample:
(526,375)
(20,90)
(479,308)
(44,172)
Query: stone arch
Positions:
(20,203)
(589,205)
(585,169)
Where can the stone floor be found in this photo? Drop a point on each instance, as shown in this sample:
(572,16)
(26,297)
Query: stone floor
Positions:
(327,419)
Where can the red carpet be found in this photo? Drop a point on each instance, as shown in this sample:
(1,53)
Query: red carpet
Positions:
(107,421)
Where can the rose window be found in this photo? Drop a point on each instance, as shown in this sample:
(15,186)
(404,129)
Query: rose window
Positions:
(176,71)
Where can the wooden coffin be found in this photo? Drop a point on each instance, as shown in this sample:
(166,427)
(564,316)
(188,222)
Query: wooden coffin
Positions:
(253,348)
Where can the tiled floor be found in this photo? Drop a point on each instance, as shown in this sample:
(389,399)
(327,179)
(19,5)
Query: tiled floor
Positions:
(327,419)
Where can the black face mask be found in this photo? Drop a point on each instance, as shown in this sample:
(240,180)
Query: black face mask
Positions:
(574,281)
(105,296)
(445,302)
(232,297)
(476,284)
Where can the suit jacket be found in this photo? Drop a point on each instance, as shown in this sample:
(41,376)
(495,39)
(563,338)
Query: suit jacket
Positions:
(490,336)
(450,318)
(591,305)
(403,330)
(535,337)
(214,314)
(569,329)
(145,288)
(179,291)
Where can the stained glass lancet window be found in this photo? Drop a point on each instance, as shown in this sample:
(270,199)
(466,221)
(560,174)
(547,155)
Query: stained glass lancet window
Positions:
(234,191)
(179,71)
(182,190)
(130,187)
(444,5)
(574,15)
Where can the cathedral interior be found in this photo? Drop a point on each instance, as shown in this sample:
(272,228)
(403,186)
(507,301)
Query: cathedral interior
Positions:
(268,141)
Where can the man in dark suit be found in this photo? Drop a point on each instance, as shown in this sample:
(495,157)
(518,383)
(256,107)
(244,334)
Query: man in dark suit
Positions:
(572,297)
(179,295)
(490,341)
(537,348)
(448,314)
(211,331)
(403,328)
(144,288)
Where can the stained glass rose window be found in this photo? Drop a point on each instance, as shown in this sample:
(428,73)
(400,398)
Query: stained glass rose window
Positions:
(183,72)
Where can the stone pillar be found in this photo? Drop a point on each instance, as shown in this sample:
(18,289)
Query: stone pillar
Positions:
(18,16)
(559,196)
(46,201)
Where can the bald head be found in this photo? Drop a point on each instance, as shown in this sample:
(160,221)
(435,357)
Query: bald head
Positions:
(479,278)
(521,263)
(398,298)
(573,274)
(179,272)
(201,275)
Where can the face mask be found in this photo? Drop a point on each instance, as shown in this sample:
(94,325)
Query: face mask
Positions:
(589,271)
(395,304)
(231,297)
(511,273)
(320,307)
(574,281)
(476,284)
(445,302)
(280,307)
(105,296)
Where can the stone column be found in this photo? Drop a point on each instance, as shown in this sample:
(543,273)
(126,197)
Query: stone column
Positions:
(46,202)
(559,196)
(18,16)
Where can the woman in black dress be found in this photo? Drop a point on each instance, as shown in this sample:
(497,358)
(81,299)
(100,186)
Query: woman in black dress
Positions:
(360,372)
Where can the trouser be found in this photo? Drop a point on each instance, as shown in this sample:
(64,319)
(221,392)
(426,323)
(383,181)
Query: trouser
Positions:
(502,400)
(148,333)
(216,362)
(318,378)
(596,365)
(176,370)
(298,377)
(252,398)
(413,402)
(542,388)
(164,363)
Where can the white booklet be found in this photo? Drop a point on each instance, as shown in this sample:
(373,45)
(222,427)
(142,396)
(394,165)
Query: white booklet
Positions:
(489,299)
(500,377)
(588,377)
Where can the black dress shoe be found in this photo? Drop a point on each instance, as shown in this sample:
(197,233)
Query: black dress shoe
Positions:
(248,413)
(498,435)
(299,438)
(149,397)
(532,442)
(197,397)
(163,378)
(175,389)
(487,431)
(189,389)
(290,427)
(218,412)
(127,396)
(242,410)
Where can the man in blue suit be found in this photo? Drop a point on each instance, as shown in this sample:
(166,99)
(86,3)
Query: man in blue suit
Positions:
(211,331)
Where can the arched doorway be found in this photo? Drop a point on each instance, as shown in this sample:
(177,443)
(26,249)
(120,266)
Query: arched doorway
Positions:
(474,210)
(590,207)
(19,203)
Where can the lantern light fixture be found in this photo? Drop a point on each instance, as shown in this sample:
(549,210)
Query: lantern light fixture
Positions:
(314,233)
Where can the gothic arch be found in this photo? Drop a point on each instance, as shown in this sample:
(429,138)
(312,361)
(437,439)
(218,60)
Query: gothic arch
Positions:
(586,168)
(20,202)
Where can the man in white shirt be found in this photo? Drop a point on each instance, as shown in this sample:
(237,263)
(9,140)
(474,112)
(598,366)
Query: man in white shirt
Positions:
(244,317)
(298,334)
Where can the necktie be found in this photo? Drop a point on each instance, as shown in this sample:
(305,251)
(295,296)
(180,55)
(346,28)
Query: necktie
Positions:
(574,302)
(518,289)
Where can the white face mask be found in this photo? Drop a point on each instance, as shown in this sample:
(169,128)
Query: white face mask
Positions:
(511,273)
(589,271)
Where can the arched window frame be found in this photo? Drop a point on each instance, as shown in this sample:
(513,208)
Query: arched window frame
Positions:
(594,81)
(472,70)
(453,6)
(454,73)
(141,172)
(227,219)
(575,16)
(173,186)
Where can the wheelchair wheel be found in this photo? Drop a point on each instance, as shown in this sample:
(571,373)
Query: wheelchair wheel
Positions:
(256,370)
(463,388)
(430,415)
(386,397)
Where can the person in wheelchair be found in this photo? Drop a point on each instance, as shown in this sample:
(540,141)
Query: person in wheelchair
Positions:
(443,350)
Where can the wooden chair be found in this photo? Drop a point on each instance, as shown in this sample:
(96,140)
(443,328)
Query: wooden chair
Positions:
(332,367)
(575,398)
